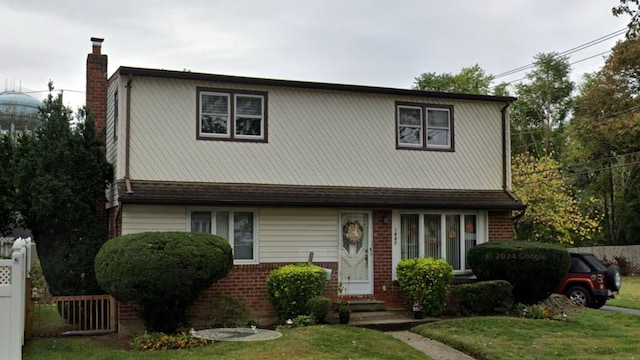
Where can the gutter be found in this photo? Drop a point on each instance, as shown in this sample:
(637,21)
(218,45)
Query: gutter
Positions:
(517,217)
(127,177)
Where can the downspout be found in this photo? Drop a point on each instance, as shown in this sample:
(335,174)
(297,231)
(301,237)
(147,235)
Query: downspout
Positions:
(127,120)
(517,217)
(504,145)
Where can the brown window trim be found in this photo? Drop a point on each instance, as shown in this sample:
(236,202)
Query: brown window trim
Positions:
(425,145)
(232,94)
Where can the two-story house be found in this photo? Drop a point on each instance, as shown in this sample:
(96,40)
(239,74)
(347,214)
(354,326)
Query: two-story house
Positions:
(361,176)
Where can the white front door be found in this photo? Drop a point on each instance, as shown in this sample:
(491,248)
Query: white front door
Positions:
(356,253)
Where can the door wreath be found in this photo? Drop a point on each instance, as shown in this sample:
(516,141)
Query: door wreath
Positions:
(352,233)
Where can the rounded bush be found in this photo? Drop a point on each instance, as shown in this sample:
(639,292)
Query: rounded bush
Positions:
(425,281)
(291,286)
(164,272)
(484,297)
(533,269)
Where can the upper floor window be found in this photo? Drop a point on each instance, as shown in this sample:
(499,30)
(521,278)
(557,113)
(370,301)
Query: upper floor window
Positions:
(425,127)
(232,115)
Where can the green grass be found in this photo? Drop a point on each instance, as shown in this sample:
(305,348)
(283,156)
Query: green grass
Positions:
(629,296)
(45,320)
(591,334)
(315,342)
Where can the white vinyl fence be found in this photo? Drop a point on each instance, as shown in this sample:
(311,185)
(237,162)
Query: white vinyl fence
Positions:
(13,292)
(6,246)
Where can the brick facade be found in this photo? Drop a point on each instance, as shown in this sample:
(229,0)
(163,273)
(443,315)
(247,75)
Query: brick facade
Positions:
(249,282)
(500,226)
(245,282)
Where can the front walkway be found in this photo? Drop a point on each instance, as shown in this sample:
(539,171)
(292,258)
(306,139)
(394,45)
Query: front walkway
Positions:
(434,349)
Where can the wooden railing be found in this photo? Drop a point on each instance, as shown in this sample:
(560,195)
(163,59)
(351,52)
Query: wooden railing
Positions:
(49,316)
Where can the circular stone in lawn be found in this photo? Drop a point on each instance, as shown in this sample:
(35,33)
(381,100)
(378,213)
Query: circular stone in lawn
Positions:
(237,334)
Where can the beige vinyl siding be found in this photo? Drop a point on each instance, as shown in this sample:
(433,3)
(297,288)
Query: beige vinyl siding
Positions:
(315,137)
(284,235)
(111,143)
(141,218)
(288,235)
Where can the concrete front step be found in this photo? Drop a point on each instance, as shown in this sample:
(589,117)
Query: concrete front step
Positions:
(366,305)
(382,320)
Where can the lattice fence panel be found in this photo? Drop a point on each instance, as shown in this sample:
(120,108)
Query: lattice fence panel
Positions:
(5,275)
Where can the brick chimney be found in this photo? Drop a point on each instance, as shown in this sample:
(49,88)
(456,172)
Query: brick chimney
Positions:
(97,83)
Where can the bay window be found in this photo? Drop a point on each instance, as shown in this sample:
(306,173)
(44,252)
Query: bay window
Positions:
(444,235)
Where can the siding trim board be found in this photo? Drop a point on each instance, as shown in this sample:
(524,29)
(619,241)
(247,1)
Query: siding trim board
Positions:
(225,194)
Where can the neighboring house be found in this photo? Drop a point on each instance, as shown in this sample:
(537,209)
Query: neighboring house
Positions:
(360,176)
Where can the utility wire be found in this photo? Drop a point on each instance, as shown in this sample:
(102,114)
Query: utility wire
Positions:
(566,52)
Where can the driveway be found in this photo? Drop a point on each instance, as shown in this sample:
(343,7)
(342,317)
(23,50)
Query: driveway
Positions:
(622,310)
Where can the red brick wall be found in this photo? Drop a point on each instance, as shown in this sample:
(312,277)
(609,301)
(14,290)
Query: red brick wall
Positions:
(384,288)
(96,90)
(246,282)
(500,226)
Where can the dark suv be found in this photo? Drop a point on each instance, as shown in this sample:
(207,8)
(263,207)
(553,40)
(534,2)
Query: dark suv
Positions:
(589,282)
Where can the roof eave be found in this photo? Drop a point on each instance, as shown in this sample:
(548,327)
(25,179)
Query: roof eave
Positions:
(188,75)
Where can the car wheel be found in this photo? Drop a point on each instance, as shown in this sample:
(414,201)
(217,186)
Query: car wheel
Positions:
(579,295)
(599,302)
(614,278)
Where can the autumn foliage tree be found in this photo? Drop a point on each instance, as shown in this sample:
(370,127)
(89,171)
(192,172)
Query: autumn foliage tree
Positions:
(553,213)
(606,127)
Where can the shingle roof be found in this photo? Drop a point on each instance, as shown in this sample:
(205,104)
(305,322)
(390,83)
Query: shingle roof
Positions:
(211,194)
(188,75)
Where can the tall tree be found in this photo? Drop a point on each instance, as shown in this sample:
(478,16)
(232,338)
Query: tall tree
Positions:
(631,8)
(61,173)
(539,115)
(606,125)
(470,80)
(7,189)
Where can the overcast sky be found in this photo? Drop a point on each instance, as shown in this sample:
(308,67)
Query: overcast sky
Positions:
(374,42)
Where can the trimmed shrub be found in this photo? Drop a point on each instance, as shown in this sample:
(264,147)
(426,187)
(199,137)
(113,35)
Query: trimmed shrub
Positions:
(484,297)
(425,281)
(164,272)
(291,286)
(318,307)
(533,269)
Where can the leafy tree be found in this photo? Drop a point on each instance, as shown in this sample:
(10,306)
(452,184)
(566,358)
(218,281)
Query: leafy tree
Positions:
(470,80)
(7,189)
(627,7)
(606,127)
(538,117)
(553,214)
(61,174)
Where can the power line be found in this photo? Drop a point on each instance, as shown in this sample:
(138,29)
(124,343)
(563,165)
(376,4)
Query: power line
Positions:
(567,167)
(575,62)
(566,52)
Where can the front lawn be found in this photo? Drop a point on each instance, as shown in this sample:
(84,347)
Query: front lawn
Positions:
(315,342)
(629,296)
(591,334)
